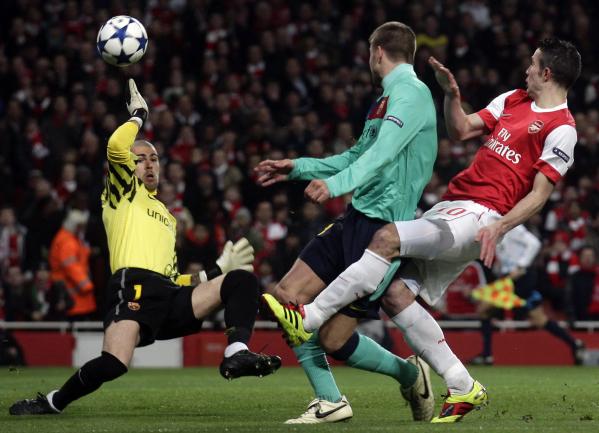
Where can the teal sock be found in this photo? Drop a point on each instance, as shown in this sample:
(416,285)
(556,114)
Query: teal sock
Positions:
(371,356)
(314,362)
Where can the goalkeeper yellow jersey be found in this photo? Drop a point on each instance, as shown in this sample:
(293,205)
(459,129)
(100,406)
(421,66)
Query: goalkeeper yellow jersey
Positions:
(141,231)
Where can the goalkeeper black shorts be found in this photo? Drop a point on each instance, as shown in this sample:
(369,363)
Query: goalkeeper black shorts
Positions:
(162,308)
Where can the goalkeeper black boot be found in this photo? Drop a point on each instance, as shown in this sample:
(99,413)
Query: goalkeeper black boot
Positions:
(246,363)
(33,406)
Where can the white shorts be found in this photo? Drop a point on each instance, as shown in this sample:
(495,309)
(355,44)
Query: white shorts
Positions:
(441,244)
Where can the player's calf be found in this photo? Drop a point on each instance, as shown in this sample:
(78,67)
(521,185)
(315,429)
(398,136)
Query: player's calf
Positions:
(239,294)
(85,381)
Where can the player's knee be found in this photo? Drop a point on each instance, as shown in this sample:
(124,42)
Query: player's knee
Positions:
(484,310)
(239,284)
(537,323)
(537,317)
(105,368)
(385,242)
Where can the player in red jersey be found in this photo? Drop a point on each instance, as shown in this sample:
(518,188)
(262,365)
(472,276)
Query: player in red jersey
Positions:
(530,145)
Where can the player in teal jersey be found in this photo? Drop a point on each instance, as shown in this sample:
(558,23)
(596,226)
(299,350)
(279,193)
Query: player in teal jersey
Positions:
(387,170)
(481,205)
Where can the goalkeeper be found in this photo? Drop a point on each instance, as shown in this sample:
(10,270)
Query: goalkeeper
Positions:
(147,299)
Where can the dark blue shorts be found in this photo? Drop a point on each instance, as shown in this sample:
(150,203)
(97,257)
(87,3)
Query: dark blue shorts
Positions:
(526,288)
(339,245)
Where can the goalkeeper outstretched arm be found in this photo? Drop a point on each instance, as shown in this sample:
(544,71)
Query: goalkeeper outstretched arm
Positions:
(238,255)
(120,142)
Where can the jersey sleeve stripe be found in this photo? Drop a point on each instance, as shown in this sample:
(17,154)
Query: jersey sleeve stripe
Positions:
(547,169)
(488,119)
(114,192)
(124,171)
(134,184)
(126,168)
(116,175)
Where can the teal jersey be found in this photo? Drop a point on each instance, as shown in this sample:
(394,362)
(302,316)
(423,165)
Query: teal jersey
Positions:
(392,161)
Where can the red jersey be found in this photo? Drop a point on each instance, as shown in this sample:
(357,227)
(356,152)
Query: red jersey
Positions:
(523,139)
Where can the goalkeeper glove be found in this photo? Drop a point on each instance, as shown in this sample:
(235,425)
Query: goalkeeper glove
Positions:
(136,105)
(235,256)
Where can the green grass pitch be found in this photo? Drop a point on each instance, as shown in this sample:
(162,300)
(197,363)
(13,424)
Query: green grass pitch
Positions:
(523,399)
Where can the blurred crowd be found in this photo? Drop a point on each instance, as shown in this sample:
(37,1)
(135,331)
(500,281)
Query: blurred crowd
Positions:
(232,82)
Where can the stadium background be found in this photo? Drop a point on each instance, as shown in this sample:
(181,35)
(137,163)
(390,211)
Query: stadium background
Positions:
(230,83)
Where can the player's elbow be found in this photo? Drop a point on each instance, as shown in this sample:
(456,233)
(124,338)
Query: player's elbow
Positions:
(455,134)
(462,130)
(113,146)
(460,134)
(116,151)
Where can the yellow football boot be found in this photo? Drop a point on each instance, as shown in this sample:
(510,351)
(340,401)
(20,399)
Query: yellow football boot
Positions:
(456,406)
(290,319)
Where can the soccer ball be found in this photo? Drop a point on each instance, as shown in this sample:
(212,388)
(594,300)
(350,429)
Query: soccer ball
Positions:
(122,40)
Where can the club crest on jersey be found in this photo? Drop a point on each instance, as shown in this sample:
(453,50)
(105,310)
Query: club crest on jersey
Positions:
(379,110)
(133,306)
(535,127)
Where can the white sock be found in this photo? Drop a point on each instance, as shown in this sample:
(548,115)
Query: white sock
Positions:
(425,337)
(233,348)
(358,280)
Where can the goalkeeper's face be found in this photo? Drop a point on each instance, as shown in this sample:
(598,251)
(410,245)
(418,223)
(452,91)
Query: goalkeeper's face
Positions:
(148,164)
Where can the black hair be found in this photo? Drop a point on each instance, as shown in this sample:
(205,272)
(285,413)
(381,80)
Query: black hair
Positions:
(563,60)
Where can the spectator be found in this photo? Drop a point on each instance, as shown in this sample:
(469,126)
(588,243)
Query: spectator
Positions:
(41,204)
(21,300)
(270,230)
(69,264)
(241,226)
(584,286)
(199,246)
(11,353)
(12,240)
(226,174)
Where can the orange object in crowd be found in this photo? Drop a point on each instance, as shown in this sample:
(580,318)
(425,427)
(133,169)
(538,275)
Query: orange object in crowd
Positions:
(69,263)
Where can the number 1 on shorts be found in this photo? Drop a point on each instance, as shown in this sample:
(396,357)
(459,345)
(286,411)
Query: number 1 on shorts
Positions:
(137,288)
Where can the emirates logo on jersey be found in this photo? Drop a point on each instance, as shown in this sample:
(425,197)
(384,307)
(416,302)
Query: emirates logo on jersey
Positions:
(500,147)
(535,127)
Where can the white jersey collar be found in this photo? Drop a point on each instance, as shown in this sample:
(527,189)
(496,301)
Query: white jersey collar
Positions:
(534,107)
